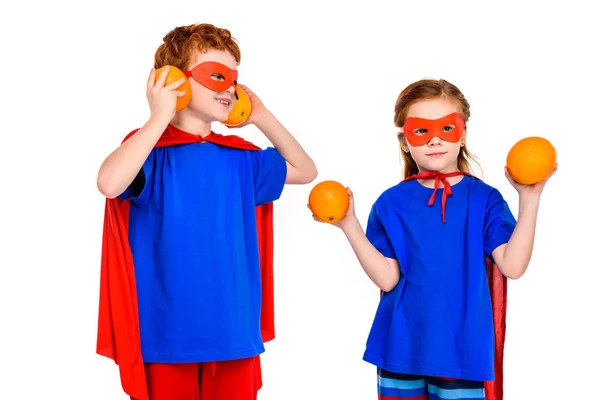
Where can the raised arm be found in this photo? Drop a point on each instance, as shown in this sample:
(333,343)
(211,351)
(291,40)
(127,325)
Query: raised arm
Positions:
(301,169)
(513,257)
(120,168)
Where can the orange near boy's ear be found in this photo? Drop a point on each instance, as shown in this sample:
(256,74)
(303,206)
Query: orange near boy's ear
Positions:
(175,74)
(241,109)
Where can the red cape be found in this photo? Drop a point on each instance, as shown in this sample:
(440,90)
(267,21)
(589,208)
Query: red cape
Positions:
(494,390)
(118,324)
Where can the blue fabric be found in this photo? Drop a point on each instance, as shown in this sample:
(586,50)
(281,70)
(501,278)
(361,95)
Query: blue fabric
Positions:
(405,386)
(194,242)
(437,321)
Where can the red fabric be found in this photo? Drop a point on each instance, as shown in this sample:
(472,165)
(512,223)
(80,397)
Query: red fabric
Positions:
(118,324)
(173,381)
(231,380)
(439,177)
(494,390)
(223,380)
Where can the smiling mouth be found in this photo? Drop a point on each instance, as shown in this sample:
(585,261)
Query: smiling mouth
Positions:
(224,102)
(436,154)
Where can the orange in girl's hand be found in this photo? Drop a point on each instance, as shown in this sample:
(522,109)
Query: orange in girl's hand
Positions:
(241,109)
(175,74)
(531,160)
(329,201)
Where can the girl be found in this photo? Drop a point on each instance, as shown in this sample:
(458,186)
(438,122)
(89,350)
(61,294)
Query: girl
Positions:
(425,247)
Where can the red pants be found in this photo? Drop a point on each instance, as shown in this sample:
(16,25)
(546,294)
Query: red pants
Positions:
(222,380)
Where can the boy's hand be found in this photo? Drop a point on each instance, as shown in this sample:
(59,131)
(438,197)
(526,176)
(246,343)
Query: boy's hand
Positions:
(348,218)
(163,99)
(258,108)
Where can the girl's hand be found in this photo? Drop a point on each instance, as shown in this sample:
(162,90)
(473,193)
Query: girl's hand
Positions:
(525,190)
(350,215)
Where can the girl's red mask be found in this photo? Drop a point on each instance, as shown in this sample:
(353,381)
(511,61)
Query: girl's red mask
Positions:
(214,76)
(420,131)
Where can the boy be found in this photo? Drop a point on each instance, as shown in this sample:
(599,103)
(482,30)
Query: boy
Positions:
(191,209)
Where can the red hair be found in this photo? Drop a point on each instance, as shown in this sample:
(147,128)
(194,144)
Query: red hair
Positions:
(180,45)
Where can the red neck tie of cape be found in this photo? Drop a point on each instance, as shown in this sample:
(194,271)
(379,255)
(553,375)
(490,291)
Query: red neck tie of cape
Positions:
(439,177)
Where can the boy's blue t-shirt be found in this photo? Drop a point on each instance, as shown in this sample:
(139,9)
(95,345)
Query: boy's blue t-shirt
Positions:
(438,320)
(193,235)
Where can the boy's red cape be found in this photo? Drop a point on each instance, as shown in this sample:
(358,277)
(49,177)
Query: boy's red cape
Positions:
(494,390)
(118,323)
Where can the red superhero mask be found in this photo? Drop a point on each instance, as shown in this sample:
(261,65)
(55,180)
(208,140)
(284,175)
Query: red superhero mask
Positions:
(420,131)
(214,76)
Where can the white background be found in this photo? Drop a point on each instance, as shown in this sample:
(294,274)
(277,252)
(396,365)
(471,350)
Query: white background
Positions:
(73,84)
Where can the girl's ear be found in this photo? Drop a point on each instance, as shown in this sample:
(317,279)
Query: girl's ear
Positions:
(402,140)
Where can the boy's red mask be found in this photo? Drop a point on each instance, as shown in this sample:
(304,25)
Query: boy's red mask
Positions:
(205,73)
(420,131)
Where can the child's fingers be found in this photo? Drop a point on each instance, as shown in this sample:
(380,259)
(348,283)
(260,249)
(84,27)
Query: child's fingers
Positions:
(151,79)
(313,215)
(176,84)
(162,77)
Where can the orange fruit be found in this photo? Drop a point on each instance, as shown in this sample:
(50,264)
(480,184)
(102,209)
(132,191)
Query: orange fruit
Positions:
(328,200)
(241,109)
(531,160)
(175,74)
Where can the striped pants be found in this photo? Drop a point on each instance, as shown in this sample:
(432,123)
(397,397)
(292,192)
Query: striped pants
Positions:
(394,386)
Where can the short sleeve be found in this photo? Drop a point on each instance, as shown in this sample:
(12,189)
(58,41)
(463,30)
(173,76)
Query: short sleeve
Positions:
(269,171)
(378,236)
(499,222)
(139,191)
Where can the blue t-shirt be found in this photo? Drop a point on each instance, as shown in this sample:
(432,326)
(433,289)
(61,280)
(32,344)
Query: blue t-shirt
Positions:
(438,320)
(194,241)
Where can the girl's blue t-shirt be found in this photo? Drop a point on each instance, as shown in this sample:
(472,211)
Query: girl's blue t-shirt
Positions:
(438,320)
(193,235)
